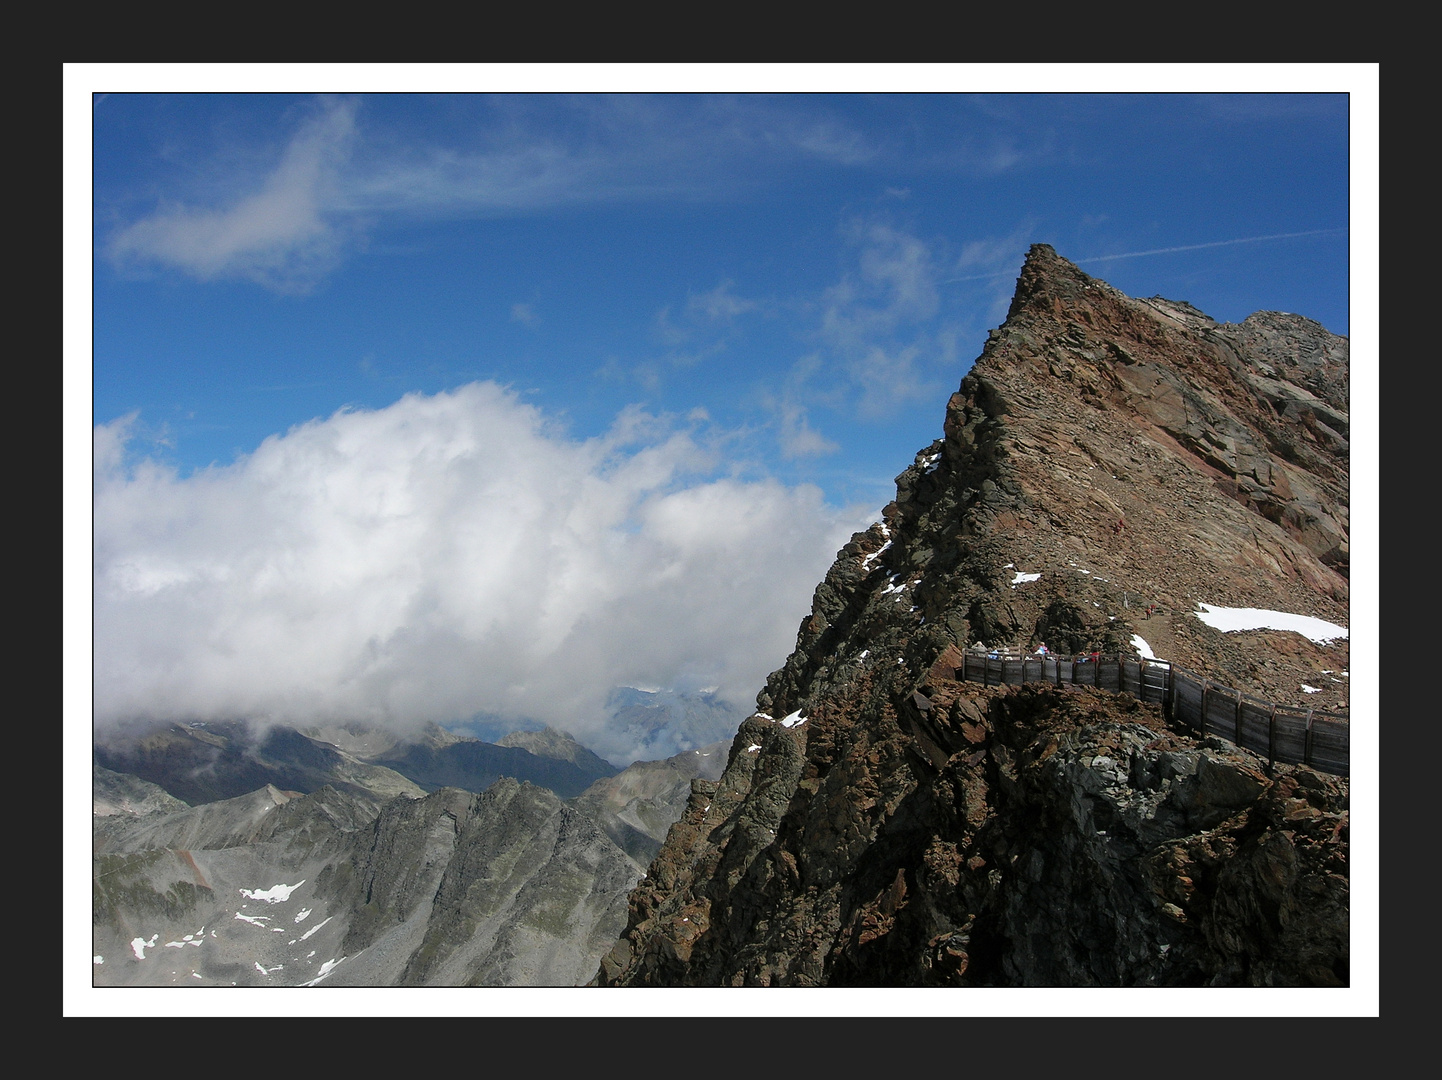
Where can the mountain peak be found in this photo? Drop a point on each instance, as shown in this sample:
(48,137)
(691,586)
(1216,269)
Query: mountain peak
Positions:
(1109,469)
(1049,282)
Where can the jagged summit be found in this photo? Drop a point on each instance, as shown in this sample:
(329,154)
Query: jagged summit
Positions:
(1119,454)
(1106,466)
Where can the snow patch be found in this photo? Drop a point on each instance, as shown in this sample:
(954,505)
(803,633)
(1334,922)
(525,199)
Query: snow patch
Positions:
(325,969)
(1233,619)
(139,945)
(794,719)
(276,894)
(1140,645)
(867,561)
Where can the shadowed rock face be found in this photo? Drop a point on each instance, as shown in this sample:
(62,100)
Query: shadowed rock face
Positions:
(880,824)
(506,888)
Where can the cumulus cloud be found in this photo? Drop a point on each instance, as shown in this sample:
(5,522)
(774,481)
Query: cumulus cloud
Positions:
(446,556)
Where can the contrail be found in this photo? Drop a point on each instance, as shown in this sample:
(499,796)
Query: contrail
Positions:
(1212,244)
(1163,251)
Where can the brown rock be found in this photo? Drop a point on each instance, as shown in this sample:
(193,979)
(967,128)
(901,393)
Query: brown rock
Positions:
(918,830)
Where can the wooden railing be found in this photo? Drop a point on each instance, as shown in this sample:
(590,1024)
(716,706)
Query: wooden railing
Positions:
(1283,733)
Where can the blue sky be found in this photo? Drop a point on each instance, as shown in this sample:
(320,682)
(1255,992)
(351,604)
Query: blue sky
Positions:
(391,402)
(813,271)
(401,401)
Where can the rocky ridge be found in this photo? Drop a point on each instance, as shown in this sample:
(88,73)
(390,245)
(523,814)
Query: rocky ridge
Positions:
(881,824)
(342,886)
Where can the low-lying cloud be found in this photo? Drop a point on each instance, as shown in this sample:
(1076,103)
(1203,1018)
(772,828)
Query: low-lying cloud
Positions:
(446,556)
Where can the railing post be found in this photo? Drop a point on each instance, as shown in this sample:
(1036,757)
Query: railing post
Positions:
(1203,728)
(1238,723)
(1307,741)
(1272,737)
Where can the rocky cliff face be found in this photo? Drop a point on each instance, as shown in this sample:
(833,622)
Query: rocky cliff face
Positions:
(510,887)
(349,887)
(879,823)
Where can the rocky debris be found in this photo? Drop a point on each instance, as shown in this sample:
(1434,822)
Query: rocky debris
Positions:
(215,895)
(1103,456)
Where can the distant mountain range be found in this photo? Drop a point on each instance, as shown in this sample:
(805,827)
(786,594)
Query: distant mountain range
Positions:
(346,856)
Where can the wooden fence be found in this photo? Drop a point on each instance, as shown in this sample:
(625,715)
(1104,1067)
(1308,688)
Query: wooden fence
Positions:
(1283,733)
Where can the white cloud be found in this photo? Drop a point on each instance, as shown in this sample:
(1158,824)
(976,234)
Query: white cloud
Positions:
(881,323)
(441,557)
(797,437)
(719,305)
(282,234)
(893,285)
(335,180)
(888,379)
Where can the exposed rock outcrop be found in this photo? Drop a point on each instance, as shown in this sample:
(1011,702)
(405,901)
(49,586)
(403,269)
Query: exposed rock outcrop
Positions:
(343,887)
(510,887)
(880,824)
